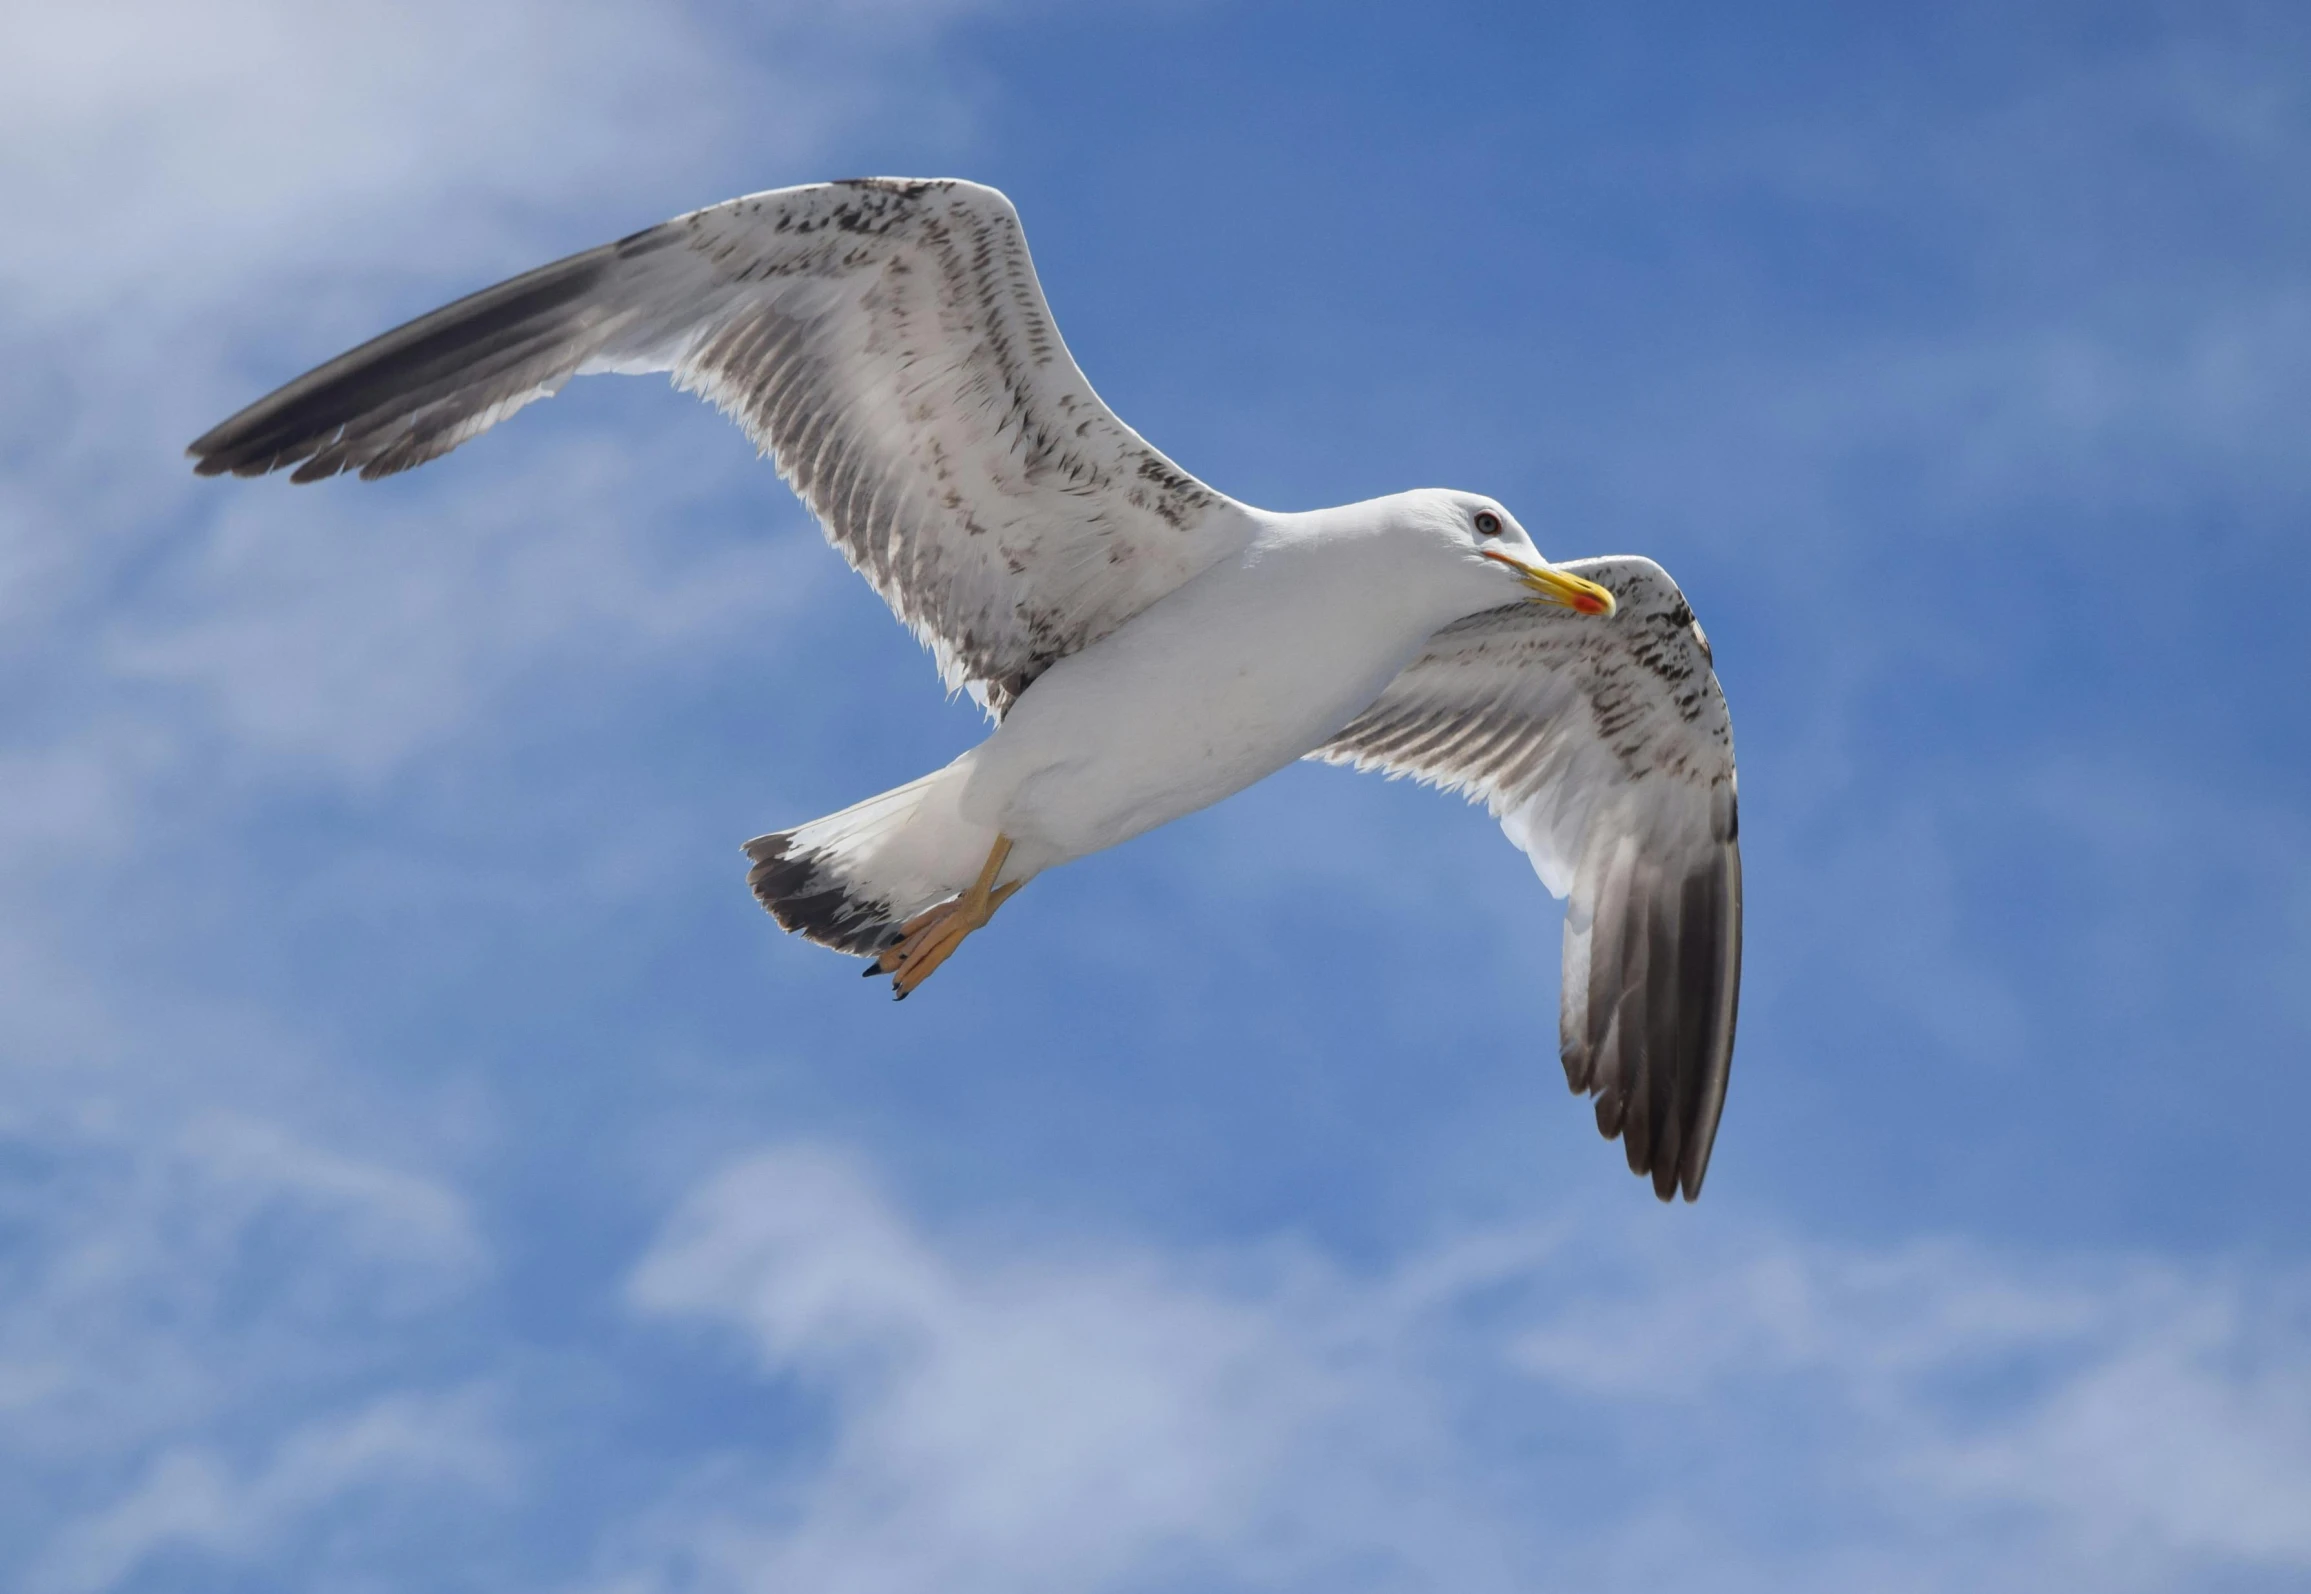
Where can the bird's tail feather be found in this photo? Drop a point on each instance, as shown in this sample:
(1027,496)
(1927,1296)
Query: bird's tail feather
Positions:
(849,880)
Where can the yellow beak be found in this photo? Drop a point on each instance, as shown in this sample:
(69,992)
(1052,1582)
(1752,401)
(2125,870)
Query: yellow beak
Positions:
(1556,586)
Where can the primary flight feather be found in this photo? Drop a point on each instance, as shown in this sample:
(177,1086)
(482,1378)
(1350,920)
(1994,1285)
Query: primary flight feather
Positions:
(1146,644)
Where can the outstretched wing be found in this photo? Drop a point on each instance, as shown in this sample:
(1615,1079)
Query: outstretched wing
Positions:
(885,340)
(1604,748)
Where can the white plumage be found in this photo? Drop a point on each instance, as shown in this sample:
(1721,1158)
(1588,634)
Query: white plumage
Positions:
(1146,644)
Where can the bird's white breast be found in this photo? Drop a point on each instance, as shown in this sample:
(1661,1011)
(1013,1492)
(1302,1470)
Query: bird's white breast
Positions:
(1224,681)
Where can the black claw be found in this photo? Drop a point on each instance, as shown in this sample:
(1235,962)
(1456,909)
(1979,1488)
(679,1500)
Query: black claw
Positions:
(871,970)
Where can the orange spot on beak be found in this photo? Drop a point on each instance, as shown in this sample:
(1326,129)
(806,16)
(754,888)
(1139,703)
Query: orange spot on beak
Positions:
(1550,585)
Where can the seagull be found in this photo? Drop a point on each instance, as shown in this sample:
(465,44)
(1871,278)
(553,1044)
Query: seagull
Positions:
(1145,644)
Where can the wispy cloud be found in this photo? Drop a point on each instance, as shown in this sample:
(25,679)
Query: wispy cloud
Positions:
(220,195)
(192,1499)
(175,148)
(1016,1412)
(161,1270)
(343,648)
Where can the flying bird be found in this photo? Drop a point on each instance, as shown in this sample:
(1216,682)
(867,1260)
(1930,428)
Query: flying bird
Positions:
(1145,644)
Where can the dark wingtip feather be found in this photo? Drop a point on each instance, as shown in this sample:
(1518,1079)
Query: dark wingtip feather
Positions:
(1724,1017)
(810,901)
(341,415)
(1650,1033)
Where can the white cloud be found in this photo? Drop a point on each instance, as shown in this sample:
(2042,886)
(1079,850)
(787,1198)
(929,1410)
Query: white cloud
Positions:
(167,1267)
(387,1211)
(2192,1439)
(192,1498)
(170,145)
(1513,1410)
(351,645)
(247,175)
(198,1306)
(2133,1413)
(1014,1421)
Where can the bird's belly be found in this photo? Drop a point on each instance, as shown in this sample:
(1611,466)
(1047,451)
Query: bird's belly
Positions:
(1169,715)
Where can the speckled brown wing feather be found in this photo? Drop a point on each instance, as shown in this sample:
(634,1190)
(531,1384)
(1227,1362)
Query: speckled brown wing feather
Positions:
(885,340)
(1604,748)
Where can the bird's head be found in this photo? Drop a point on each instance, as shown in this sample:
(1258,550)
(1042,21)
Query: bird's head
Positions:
(1487,537)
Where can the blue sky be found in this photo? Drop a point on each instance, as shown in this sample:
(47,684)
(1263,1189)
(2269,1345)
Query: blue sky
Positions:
(423,1166)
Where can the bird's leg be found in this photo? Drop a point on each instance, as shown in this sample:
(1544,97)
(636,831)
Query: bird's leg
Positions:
(929,939)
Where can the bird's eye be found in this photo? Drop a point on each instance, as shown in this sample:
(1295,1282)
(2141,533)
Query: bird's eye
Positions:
(1488,524)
